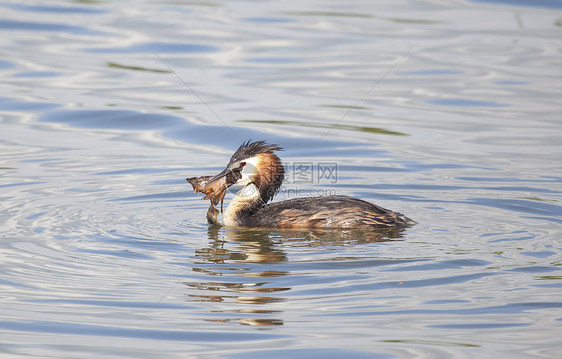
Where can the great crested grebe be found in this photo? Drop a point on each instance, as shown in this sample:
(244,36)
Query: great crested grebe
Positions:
(260,172)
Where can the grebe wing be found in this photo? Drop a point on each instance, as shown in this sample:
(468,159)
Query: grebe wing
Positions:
(327,212)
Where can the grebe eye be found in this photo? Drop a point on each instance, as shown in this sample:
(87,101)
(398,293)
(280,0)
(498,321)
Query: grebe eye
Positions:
(242,164)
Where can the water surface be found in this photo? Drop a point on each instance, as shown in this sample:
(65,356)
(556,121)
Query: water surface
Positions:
(446,112)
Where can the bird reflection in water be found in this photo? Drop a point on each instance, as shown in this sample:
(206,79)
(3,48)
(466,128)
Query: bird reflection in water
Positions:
(249,263)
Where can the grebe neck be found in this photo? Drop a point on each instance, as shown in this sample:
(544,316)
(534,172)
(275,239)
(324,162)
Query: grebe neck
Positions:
(245,202)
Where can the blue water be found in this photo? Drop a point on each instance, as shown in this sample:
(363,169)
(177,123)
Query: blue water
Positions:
(446,112)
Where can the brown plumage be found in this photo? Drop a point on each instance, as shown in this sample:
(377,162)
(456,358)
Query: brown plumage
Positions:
(325,212)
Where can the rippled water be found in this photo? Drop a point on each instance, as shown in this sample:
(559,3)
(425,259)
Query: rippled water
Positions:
(448,112)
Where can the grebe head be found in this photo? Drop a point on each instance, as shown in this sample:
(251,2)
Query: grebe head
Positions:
(254,164)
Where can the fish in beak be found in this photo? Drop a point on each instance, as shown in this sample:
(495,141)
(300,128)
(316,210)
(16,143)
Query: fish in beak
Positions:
(214,188)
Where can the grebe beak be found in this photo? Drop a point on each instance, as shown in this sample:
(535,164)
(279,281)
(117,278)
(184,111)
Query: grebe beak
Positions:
(231,177)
